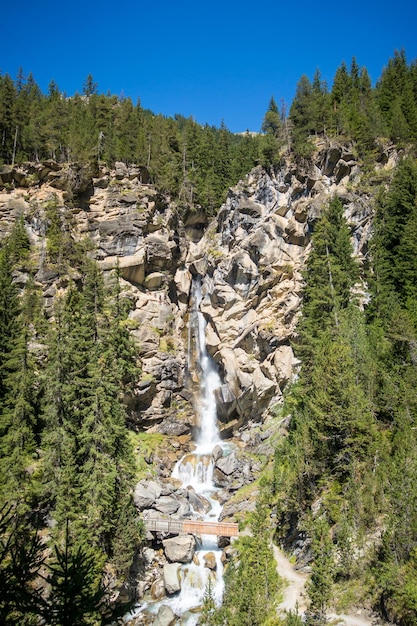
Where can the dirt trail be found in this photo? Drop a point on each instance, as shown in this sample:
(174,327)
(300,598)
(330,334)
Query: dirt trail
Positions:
(295,593)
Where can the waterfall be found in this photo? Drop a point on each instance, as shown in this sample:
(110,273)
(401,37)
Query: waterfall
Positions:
(209,381)
(195,470)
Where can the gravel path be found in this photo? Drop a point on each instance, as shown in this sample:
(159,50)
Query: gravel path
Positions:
(295,590)
(295,593)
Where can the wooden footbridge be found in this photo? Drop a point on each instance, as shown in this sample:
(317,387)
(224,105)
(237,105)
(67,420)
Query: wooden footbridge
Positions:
(178,527)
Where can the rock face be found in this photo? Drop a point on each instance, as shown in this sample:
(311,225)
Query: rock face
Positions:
(250,259)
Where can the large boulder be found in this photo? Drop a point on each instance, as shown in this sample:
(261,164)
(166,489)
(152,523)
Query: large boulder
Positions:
(158,254)
(165,616)
(145,495)
(227,464)
(172,579)
(179,549)
(199,503)
(210,561)
(167,505)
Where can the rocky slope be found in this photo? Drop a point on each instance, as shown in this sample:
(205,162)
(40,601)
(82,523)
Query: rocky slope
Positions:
(250,258)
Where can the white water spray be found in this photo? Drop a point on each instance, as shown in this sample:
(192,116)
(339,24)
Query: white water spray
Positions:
(209,381)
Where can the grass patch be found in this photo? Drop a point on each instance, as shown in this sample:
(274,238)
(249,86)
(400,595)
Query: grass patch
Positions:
(145,445)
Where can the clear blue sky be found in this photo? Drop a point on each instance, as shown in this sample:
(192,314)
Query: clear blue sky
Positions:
(213,60)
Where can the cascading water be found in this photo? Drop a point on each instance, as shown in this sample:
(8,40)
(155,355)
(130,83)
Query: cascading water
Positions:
(209,381)
(196,470)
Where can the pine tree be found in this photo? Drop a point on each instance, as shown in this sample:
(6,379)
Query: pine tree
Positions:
(394,276)
(18,420)
(338,411)
(9,314)
(319,588)
(89,87)
(302,118)
(22,554)
(320,107)
(253,586)
(7,118)
(331,273)
(207,615)
(55,119)
(272,123)
(76,593)
(88,459)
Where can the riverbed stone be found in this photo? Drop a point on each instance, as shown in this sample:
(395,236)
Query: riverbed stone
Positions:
(184,509)
(165,616)
(217,452)
(227,464)
(210,561)
(171,576)
(167,505)
(180,549)
(199,503)
(148,555)
(157,589)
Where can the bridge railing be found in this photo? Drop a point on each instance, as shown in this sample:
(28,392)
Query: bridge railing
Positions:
(175,527)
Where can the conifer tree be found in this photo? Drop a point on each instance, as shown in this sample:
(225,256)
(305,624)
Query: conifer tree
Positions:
(253,586)
(331,273)
(88,459)
(76,593)
(320,584)
(22,555)
(302,118)
(395,269)
(7,117)
(9,312)
(272,123)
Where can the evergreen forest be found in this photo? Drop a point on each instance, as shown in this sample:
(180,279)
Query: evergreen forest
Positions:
(344,474)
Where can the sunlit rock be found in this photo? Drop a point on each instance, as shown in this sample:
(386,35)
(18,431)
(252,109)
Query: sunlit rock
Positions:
(146,494)
(172,580)
(210,561)
(157,589)
(179,549)
(167,505)
(165,616)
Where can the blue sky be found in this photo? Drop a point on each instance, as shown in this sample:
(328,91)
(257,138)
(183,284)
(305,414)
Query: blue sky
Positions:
(214,60)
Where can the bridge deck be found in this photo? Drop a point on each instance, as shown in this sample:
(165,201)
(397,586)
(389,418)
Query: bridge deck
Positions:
(175,527)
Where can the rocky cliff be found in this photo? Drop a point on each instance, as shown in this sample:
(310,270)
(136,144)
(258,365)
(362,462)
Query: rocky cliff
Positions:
(250,258)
